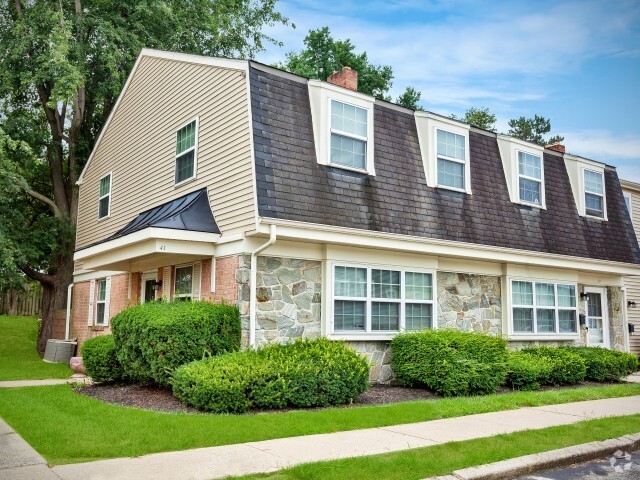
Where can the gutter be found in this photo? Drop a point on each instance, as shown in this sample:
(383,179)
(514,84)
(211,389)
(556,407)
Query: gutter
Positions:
(68,320)
(253,287)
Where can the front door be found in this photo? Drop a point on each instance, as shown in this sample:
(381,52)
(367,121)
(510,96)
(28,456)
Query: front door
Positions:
(597,318)
(148,293)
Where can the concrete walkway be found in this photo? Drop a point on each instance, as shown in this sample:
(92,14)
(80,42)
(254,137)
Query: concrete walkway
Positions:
(272,455)
(18,461)
(42,383)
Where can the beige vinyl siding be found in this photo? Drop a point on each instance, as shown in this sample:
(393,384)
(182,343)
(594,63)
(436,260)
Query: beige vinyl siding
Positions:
(138,147)
(633,283)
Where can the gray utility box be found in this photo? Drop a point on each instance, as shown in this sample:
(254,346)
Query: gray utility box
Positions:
(59,351)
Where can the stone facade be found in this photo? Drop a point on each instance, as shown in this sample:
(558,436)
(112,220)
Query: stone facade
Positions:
(378,354)
(469,302)
(616,318)
(288,299)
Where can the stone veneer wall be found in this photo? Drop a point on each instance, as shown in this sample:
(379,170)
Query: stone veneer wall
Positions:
(616,318)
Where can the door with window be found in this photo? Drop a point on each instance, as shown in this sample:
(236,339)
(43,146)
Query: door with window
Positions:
(148,294)
(597,319)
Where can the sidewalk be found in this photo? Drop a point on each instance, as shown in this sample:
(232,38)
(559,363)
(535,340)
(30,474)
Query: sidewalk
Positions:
(272,455)
(42,383)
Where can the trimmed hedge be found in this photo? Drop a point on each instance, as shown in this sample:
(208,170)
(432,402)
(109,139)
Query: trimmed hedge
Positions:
(154,339)
(305,373)
(529,372)
(568,367)
(450,362)
(100,360)
(605,365)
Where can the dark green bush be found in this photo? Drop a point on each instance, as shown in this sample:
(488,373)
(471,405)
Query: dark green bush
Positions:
(153,339)
(529,372)
(606,365)
(450,362)
(100,360)
(305,373)
(568,367)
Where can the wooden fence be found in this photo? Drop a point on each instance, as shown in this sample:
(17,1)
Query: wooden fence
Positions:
(21,302)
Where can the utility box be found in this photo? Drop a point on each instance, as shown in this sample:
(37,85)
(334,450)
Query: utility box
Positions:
(59,351)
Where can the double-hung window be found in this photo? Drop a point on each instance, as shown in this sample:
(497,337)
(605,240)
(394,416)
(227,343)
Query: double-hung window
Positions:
(543,308)
(102,301)
(186,144)
(183,286)
(594,193)
(374,300)
(104,197)
(451,157)
(530,178)
(348,135)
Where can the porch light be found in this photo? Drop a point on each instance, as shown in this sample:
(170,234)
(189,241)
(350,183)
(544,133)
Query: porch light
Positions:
(156,285)
(631,304)
(584,297)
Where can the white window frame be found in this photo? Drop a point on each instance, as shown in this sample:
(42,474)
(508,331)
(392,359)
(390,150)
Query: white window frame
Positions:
(428,125)
(368,333)
(103,302)
(100,197)
(175,279)
(627,196)
(194,149)
(145,277)
(603,195)
(348,135)
(533,179)
(535,335)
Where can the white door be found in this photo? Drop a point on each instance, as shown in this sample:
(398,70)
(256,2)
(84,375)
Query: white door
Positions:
(597,318)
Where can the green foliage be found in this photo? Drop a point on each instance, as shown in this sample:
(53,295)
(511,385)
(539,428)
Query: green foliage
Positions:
(532,130)
(605,365)
(480,118)
(568,367)
(153,339)
(305,373)
(324,55)
(450,362)
(529,372)
(100,359)
(410,98)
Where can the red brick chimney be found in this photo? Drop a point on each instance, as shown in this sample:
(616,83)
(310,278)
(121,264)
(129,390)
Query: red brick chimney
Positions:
(557,146)
(346,78)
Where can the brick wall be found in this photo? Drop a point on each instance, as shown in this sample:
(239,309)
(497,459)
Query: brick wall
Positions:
(226,287)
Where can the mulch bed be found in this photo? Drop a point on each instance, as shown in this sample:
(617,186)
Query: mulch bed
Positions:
(162,400)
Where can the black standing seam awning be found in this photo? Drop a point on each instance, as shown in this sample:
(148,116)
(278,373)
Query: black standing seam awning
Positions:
(191,212)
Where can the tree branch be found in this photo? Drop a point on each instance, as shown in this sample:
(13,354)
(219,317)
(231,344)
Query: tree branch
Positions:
(46,200)
(38,276)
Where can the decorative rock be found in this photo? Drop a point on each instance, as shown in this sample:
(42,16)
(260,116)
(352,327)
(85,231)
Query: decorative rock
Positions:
(77,366)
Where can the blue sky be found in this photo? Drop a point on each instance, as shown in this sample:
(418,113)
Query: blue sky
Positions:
(577,63)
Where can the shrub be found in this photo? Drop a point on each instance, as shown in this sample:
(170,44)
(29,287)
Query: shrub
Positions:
(606,365)
(450,362)
(100,360)
(568,367)
(153,339)
(305,373)
(529,372)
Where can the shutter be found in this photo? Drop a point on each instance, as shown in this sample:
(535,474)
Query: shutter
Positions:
(92,297)
(213,275)
(195,284)
(107,302)
(166,283)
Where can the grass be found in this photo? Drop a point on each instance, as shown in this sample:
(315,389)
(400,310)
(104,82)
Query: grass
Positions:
(18,357)
(66,427)
(444,459)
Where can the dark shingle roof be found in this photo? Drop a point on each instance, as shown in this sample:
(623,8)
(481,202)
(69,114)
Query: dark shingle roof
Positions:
(293,186)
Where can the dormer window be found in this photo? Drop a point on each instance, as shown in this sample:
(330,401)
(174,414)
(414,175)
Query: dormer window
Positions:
(349,135)
(451,160)
(594,193)
(530,178)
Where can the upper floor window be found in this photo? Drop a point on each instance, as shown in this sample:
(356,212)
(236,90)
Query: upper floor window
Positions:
(451,153)
(594,193)
(540,307)
(348,135)
(530,178)
(186,144)
(104,197)
(627,201)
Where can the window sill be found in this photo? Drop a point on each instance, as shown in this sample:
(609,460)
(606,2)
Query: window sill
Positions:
(363,337)
(185,182)
(454,189)
(350,169)
(533,205)
(98,328)
(553,337)
(107,217)
(602,219)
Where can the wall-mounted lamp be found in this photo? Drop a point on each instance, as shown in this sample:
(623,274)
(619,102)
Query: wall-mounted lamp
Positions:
(156,285)
(631,304)
(584,297)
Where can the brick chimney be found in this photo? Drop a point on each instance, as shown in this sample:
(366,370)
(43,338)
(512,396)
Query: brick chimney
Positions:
(346,78)
(557,146)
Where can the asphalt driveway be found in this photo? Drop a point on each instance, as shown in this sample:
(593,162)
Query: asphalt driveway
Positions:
(609,468)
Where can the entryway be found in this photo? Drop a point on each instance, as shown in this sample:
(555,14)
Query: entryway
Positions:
(597,317)
(148,294)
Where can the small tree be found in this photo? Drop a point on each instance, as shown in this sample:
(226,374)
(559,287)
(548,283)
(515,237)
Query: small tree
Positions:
(532,130)
(480,118)
(410,99)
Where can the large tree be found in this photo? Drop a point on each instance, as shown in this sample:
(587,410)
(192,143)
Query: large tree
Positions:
(410,98)
(479,117)
(64,63)
(532,130)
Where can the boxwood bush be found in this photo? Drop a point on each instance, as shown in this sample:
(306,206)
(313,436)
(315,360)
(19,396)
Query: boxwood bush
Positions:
(153,339)
(529,372)
(568,367)
(100,360)
(305,373)
(450,362)
(605,365)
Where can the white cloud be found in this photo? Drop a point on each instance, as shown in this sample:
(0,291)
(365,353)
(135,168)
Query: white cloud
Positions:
(603,145)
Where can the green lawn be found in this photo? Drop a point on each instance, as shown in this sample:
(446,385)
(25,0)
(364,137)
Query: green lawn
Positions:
(18,357)
(66,427)
(444,459)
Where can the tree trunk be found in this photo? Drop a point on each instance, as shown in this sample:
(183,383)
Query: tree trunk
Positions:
(54,297)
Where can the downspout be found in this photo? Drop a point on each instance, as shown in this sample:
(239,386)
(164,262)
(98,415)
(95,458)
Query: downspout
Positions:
(253,287)
(68,323)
